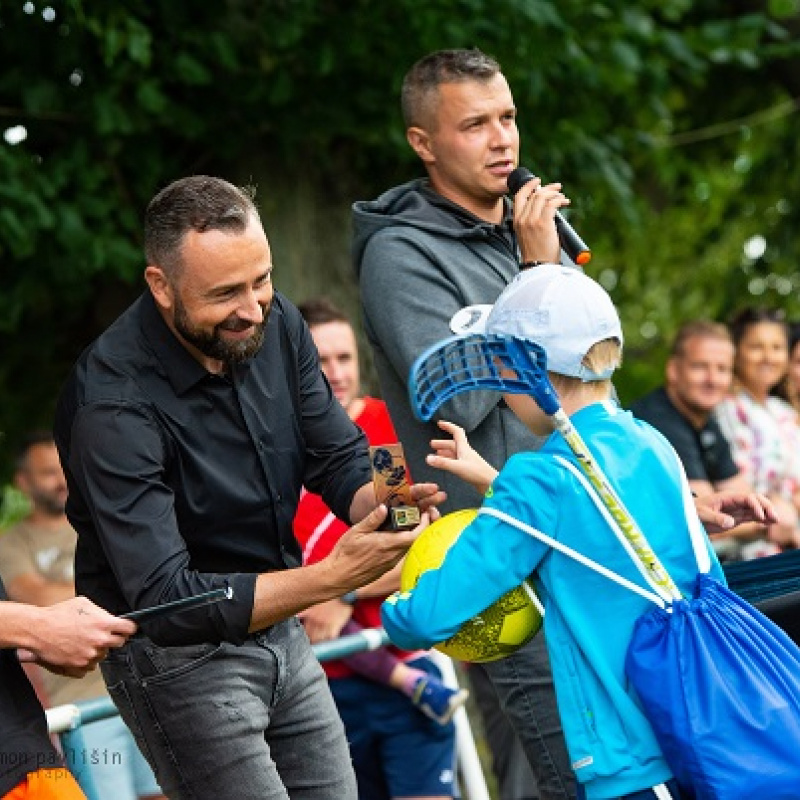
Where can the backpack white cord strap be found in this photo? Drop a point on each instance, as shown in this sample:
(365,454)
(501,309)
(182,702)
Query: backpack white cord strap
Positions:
(532,596)
(662,792)
(568,551)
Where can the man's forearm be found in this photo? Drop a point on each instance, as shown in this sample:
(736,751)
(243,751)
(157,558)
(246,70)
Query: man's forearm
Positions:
(364,501)
(17,621)
(280,595)
(383,586)
(360,557)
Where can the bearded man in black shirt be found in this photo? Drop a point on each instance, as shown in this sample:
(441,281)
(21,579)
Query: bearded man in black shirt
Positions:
(186,432)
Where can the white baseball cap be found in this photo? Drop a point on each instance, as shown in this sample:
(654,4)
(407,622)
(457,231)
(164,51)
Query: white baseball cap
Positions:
(559,308)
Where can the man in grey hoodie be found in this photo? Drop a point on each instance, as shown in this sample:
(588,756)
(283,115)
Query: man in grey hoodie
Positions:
(423,251)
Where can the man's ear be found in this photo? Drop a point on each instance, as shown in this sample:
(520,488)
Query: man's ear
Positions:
(419,140)
(160,287)
(670,371)
(21,482)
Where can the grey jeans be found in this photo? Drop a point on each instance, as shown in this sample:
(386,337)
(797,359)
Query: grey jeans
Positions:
(255,722)
(524,685)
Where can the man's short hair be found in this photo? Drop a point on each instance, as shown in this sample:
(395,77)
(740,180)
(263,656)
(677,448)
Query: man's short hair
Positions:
(29,441)
(421,83)
(698,329)
(321,311)
(197,203)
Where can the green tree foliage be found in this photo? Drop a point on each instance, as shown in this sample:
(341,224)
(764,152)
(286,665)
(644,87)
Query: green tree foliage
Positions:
(719,170)
(671,123)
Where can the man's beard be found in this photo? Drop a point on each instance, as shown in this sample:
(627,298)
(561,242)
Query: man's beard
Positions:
(50,503)
(213,344)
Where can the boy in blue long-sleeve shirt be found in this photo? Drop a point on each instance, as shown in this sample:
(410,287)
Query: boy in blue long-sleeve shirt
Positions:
(589,619)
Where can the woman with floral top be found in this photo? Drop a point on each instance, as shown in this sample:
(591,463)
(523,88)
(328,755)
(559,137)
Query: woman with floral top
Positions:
(763,429)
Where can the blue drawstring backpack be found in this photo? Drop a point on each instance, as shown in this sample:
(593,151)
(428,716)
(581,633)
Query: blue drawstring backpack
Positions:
(718,681)
(720,684)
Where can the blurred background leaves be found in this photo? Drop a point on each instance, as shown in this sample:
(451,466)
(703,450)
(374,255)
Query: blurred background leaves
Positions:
(671,124)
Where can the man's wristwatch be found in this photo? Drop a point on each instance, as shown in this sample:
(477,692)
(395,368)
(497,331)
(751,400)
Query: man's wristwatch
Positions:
(349,597)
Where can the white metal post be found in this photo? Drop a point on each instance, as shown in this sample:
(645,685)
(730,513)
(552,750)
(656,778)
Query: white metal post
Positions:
(468,760)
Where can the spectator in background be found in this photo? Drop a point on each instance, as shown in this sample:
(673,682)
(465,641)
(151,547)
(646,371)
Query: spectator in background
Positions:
(396,751)
(68,638)
(763,429)
(37,557)
(789,388)
(698,377)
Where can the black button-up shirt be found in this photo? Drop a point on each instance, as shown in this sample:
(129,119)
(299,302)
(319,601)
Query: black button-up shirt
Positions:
(181,481)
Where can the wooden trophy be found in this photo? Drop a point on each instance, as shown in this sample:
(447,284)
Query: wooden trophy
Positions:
(390,476)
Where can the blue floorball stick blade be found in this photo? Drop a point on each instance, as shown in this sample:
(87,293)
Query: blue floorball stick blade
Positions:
(465,363)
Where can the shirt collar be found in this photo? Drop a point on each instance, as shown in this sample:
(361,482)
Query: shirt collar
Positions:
(182,369)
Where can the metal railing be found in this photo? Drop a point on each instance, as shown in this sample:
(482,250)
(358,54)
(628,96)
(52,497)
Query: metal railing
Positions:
(66,721)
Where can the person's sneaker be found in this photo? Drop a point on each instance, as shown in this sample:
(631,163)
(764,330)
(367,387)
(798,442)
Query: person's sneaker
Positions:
(437,701)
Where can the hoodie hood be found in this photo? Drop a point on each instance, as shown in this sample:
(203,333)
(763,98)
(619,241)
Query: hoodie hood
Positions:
(416,206)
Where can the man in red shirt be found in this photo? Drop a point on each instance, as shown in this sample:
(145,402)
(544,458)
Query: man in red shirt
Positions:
(379,694)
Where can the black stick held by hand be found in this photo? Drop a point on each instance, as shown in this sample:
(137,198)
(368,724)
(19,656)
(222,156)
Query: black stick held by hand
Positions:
(184,604)
(573,245)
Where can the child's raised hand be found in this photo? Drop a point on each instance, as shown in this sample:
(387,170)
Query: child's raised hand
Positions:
(455,455)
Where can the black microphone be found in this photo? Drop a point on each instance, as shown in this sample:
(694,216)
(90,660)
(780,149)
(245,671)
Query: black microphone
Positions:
(573,245)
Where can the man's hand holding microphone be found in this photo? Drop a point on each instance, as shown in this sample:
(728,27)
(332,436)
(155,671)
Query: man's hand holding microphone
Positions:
(536,208)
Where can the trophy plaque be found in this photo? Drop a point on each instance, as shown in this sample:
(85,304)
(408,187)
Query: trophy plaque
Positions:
(390,476)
